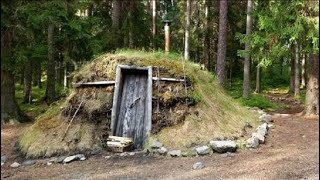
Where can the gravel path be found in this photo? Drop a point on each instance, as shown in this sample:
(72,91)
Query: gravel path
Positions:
(291,152)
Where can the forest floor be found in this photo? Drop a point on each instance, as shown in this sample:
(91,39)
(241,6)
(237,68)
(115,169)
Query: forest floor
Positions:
(291,151)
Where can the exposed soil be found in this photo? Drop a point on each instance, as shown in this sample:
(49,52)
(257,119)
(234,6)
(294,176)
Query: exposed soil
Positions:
(291,151)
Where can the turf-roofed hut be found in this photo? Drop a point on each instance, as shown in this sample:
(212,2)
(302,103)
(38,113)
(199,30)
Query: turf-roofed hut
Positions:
(184,113)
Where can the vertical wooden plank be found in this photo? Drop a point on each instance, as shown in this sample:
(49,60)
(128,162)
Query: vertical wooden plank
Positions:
(129,103)
(148,112)
(137,99)
(115,102)
(122,107)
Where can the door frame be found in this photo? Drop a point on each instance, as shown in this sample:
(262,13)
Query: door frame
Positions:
(117,100)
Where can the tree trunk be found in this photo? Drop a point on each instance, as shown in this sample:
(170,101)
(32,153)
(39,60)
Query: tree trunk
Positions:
(154,23)
(247,59)
(303,71)
(36,79)
(206,39)
(291,89)
(50,89)
(222,42)
(312,94)
(258,80)
(167,37)
(27,96)
(187,31)
(10,110)
(22,76)
(116,16)
(296,72)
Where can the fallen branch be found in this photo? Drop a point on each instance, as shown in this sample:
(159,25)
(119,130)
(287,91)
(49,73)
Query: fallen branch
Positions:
(65,133)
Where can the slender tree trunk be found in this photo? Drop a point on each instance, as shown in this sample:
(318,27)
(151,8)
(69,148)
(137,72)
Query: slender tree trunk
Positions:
(167,37)
(206,39)
(116,17)
(247,59)
(281,67)
(50,89)
(22,76)
(187,31)
(258,80)
(296,72)
(292,65)
(154,23)
(27,96)
(312,94)
(222,42)
(303,71)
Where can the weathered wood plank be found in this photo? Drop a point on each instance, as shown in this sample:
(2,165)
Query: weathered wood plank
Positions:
(167,79)
(96,83)
(111,83)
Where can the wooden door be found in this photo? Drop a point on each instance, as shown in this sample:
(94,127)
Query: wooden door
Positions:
(132,108)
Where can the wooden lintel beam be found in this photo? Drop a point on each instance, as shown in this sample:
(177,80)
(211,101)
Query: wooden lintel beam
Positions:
(167,79)
(111,83)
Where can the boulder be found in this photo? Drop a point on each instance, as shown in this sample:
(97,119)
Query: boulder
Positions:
(156,144)
(203,150)
(252,142)
(15,165)
(198,165)
(260,137)
(80,157)
(175,153)
(266,118)
(162,150)
(263,129)
(60,159)
(223,146)
(28,162)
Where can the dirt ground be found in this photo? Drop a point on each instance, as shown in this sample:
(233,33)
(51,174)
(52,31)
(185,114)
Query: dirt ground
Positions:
(291,151)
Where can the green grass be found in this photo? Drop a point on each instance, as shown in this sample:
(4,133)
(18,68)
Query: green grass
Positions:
(37,106)
(255,100)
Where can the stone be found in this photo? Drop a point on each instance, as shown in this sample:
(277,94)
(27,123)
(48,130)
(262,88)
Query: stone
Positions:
(223,146)
(203,150)
(260,137)
(198,165)
(263,129)
(107,157)
(15,165)
(266,118)
(162,150)
(156,144)
(49,163)
(60,159)
(3,159)
(124,154)
(28,162)
(228,154)
(80,157)
(175,153)
(252,142)
(132,153)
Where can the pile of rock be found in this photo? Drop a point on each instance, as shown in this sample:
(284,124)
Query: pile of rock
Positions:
(258,137)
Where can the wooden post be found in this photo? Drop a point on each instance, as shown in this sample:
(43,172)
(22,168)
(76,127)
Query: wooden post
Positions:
(167,37)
